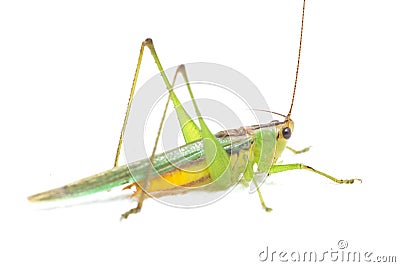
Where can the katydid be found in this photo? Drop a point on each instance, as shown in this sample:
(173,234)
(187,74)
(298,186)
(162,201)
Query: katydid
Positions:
(217,161)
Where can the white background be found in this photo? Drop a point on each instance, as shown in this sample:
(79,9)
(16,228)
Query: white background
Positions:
(66,70)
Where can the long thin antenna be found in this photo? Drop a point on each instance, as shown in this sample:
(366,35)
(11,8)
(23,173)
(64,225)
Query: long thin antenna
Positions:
(269,111)
(298,60)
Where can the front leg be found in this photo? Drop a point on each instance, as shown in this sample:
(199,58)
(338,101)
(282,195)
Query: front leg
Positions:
(300,166)
(298,151)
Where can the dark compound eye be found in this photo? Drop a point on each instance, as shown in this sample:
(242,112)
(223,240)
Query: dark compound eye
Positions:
(286,132)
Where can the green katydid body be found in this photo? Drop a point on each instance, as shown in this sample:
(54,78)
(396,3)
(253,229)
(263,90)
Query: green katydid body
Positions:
(244,147)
